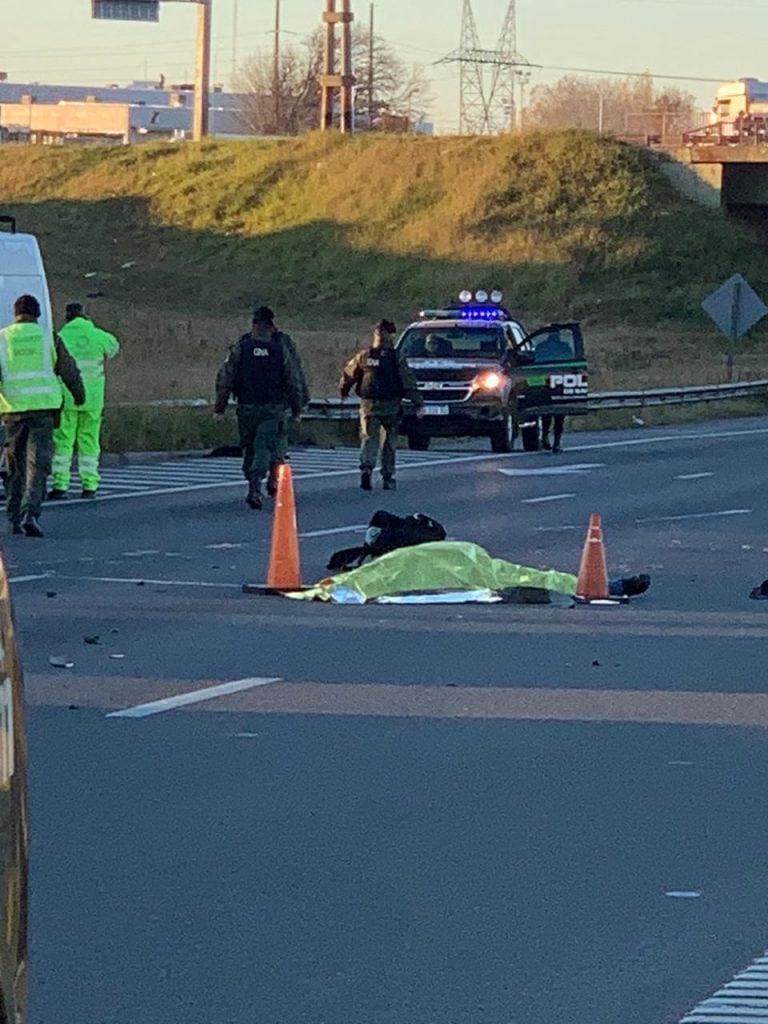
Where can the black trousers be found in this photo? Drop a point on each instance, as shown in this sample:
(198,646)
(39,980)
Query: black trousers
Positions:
(29,437)
(546,424)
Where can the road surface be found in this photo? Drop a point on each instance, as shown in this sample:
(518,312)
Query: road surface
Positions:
(497,814)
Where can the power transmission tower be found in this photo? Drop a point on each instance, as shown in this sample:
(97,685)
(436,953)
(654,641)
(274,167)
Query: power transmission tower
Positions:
(487,104)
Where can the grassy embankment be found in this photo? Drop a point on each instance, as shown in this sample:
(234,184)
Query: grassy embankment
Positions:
(179,242)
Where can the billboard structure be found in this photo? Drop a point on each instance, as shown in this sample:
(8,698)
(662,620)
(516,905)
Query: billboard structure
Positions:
(126,10)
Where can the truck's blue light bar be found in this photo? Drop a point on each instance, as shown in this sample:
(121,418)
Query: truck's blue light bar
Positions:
(467,311)
(482,313)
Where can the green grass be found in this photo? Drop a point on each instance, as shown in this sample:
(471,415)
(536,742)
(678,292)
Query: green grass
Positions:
(336,232)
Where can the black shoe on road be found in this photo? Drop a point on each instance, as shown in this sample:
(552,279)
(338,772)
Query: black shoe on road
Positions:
(85,493)
(546,445)
(16,527)
(556,449)
(389,483)
(365,480)
(57,494)
(31,527)
(253,497)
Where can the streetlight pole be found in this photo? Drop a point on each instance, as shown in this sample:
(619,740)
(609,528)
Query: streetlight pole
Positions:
(276,67)
(203,70)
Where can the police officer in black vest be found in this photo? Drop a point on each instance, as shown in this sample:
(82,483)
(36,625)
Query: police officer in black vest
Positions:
(382,379)
(265,375)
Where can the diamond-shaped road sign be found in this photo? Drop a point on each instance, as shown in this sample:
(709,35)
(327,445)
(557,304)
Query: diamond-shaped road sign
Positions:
(735,307)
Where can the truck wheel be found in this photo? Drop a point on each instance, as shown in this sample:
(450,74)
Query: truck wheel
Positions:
(419,442)
(531,438)
(503,437)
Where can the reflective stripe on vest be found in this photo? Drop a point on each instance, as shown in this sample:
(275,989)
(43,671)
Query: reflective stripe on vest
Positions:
(27,359)
(91,369)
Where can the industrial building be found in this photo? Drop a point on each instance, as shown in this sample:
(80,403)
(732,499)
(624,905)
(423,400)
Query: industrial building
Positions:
(141,112)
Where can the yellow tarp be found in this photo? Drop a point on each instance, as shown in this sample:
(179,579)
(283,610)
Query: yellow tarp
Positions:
(444,565)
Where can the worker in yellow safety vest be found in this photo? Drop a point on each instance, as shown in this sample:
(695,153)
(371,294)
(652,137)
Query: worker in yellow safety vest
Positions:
(33,364)
(80,428)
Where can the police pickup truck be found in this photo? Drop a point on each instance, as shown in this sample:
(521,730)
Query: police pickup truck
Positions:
(482,375)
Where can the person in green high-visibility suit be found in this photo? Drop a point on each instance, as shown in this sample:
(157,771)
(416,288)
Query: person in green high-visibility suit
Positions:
(80,427)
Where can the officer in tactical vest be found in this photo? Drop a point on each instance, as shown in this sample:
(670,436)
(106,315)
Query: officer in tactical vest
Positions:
(266,377)
(33,362)
(382,379)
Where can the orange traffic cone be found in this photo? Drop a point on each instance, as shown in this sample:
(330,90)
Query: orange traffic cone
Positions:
(592,584)
(284,570)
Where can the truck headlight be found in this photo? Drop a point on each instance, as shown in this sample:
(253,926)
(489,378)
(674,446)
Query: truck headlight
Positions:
(488,381)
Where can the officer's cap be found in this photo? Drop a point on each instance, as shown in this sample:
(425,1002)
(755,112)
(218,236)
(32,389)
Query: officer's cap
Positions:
(263,315)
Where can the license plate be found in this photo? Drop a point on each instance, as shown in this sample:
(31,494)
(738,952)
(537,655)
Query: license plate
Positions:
(436,410)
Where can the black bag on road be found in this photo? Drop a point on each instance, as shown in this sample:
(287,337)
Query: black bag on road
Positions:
(387,532)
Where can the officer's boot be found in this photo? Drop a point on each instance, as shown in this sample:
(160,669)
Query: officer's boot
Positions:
(389,483)
(253,498)
(365,480)
(272,479)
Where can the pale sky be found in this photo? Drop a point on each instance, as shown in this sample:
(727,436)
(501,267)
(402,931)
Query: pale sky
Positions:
(56,41)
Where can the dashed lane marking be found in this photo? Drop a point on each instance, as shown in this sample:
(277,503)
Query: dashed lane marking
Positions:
(697,515)
(742,1001)
(157,707)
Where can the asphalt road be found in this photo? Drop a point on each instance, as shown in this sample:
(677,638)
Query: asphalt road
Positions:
(432,815)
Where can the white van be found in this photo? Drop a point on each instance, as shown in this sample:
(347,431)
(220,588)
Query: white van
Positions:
(21,273)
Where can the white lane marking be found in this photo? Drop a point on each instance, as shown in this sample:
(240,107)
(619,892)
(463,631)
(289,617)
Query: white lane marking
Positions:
(554,529)
(665,438)
(742,1000)
(546,497)
(693,476)
(140,554)
(697,515)
(358,528)
(136,580)
(29,579)
(181,700)
(563,469)
(683,894)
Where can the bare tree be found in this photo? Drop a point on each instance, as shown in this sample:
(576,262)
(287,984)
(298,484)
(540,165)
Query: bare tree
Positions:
(291,105)
(629,106)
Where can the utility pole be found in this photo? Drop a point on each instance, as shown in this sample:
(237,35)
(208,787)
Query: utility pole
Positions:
(331,80)
(371,55)
(235,4)
(203,70)
(347,79)
(276,68)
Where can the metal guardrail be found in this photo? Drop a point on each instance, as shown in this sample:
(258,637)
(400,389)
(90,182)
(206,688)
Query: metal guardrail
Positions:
(676,396)
(335,409)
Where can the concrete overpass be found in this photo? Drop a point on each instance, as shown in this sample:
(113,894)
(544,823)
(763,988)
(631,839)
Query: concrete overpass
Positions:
(721,175)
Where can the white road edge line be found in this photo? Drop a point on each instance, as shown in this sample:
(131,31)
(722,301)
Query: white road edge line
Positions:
(29,579)
(693,476)
(358,528)
(156,707)
(697,515)
(136,580)
(546,497)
